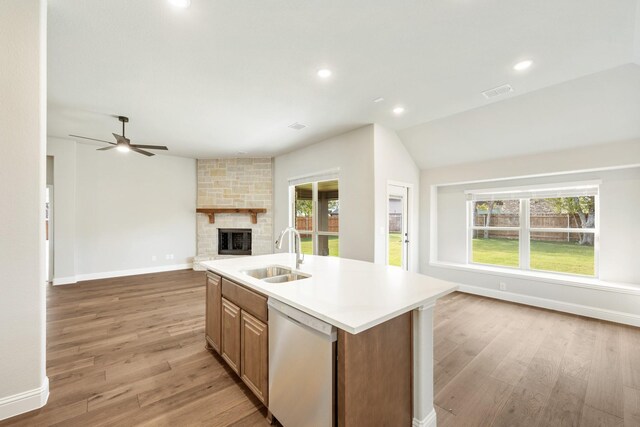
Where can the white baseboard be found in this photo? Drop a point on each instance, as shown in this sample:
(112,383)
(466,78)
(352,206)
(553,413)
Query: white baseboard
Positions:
(120,273)
(64,280)
(428,421)
(26,401)
(582,310)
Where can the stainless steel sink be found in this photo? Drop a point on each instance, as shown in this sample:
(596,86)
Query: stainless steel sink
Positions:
(275,274)
(284,278)
(266,272)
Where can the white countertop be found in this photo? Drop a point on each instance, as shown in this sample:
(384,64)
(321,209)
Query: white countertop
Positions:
(351,295)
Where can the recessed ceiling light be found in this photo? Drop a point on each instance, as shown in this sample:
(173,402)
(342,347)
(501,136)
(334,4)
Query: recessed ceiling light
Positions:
(324,73)
(182,4)
(523,65)
(398,110)
(380,99)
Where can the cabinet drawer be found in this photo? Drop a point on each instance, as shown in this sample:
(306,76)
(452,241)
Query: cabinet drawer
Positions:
(249,301)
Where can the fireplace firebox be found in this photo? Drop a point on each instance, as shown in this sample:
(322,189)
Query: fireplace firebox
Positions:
(234,241)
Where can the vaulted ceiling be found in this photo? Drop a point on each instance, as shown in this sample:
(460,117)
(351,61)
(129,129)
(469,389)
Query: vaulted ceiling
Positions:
(223,77)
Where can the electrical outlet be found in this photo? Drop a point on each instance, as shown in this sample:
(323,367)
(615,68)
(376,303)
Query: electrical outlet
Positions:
(154,258)
(169,256)
(503,286)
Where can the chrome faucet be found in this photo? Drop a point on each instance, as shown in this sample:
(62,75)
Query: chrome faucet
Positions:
(297,244)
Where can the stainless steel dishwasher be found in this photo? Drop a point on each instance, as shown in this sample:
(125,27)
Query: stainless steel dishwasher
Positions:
(301,367)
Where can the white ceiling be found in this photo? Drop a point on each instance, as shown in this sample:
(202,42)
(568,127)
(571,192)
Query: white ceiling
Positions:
(222,77)
(599,108)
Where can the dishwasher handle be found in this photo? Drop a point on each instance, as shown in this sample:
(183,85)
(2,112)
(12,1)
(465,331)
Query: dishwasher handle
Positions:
(304,320)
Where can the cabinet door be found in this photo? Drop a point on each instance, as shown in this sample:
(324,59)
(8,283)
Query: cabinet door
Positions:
(230,342)
(254,359)
(214,311)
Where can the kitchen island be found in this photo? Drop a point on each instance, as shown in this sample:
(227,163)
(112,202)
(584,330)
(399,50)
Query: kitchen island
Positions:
(384,318)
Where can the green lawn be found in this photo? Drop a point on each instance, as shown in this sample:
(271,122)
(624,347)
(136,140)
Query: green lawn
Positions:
(395,249)
(549,256)
(307,247)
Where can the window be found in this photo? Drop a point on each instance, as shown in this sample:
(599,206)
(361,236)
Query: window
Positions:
(543,229)
(316,216)
(496,232)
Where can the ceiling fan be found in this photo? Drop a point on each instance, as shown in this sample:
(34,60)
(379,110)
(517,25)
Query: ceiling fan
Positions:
(124,144)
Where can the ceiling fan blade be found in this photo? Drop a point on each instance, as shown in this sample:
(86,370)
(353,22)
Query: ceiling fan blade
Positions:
(106,148)
(121,139)
(150,147)
(137,150)
(92,139)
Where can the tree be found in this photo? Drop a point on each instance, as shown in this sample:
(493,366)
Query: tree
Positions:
(583,208)
(304,207)
(332,206)
(487,206)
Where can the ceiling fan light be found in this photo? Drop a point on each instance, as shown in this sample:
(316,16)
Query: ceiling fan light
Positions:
(123,148)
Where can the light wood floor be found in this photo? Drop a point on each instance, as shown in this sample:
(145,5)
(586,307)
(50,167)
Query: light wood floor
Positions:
(503,364)
(130,351)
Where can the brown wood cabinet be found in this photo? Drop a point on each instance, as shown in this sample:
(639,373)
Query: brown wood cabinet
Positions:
(373,377)
(236,327)
(214,311)
(374,371)
(246,299)
(230,340)
(254,355)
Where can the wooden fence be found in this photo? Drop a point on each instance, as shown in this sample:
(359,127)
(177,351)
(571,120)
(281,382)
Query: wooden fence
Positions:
(395,223)
(306,223)
(537,221)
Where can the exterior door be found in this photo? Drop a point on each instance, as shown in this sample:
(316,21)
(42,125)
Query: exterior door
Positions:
(397,227)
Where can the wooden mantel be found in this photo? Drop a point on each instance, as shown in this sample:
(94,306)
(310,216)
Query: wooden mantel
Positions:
(213,211)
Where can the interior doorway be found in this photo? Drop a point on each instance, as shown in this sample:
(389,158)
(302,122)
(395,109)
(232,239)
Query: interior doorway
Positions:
(49,232)
(48,218)
(398,226)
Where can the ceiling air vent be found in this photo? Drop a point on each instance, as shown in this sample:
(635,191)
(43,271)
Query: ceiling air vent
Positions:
(497,91)
(297,126)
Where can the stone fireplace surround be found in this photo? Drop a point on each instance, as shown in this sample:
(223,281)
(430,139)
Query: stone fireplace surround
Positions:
(234,183)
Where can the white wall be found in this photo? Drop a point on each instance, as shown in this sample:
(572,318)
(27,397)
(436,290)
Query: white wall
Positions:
(352,153)
(620,232)
(393,163)
(128,208)
(23,382)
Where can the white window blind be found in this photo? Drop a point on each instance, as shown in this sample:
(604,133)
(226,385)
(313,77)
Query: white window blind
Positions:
(328,175)
(590,188)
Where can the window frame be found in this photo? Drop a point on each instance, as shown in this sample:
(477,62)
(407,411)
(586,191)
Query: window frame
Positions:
(315,232)
(524,236)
